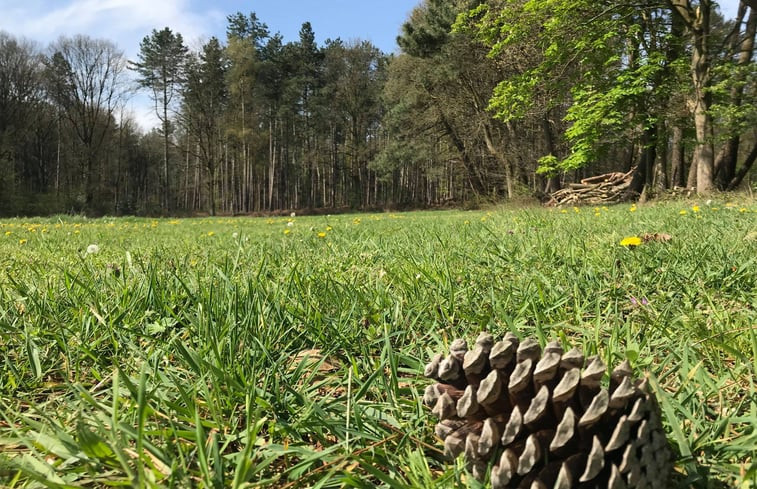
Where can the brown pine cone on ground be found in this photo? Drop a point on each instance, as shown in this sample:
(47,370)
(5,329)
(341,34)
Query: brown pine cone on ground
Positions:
(544,419)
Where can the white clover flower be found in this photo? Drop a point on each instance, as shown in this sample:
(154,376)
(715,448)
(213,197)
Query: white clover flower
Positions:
(290,224)
(293,214)
(235,235)
(92,249)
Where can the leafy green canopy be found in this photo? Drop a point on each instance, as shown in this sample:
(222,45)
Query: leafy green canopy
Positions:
(602,61)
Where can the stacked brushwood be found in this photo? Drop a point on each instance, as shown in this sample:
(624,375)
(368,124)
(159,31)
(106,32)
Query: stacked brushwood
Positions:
(546,420)
(609,188)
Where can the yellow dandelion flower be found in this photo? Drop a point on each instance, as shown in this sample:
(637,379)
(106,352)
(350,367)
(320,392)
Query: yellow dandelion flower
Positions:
(630,241)
(483,219)
(466,222)
(356,220)
(564,211)
(211,233)
(76,232)
(576,210)
(21,241)
(287,231)
(683,212)
(597,214)
(695,208)
(8,233)
(329,228)
(633,208)
(321,234)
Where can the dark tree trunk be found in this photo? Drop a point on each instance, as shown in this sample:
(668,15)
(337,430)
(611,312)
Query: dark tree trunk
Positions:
(725,163)
(736,180)
(677,168)
(697,19)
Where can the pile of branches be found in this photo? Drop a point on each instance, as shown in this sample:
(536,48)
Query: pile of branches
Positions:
(609,188)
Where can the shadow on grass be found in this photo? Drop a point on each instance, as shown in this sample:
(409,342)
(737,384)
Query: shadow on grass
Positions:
(697,476)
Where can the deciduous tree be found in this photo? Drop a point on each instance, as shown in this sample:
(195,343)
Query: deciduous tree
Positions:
(87,80)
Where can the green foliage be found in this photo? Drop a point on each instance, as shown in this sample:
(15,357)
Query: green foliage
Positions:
(549,165)
(428,28)
(251,352)
(608,63)
(602,116)
(480,93)
(248,28)
(160,68)
(729,117)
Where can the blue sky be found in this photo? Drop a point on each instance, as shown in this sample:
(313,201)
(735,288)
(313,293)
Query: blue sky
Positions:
(126,22)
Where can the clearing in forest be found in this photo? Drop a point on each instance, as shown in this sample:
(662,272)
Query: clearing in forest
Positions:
(289,351)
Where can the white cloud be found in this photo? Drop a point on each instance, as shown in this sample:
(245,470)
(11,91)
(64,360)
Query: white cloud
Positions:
(125,22)
(143,113)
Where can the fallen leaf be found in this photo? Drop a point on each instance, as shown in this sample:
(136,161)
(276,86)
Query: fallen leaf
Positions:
(314,357)
(658,237)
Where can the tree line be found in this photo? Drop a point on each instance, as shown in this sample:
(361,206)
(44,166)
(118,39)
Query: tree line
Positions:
(485,100)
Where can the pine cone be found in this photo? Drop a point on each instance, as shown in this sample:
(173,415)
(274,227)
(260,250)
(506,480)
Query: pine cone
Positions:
(544,420)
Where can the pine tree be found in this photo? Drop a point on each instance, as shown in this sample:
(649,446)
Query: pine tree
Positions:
(161,65)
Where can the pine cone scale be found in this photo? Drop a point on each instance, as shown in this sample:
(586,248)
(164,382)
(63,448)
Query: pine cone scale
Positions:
(544,417)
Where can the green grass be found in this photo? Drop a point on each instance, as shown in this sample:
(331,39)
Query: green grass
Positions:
(176,356)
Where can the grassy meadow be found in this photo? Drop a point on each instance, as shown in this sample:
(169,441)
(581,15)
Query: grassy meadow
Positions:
(287,352)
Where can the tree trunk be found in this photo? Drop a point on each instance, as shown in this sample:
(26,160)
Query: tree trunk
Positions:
(725,163)
(166,187)
(186,176)
(677,170)
(736,181)
(659,165)
(697,20)
(553,181)
(691,179)
(212,185)
(119,149)
(89,191)
(271,163)
(642,177)
(503,161)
